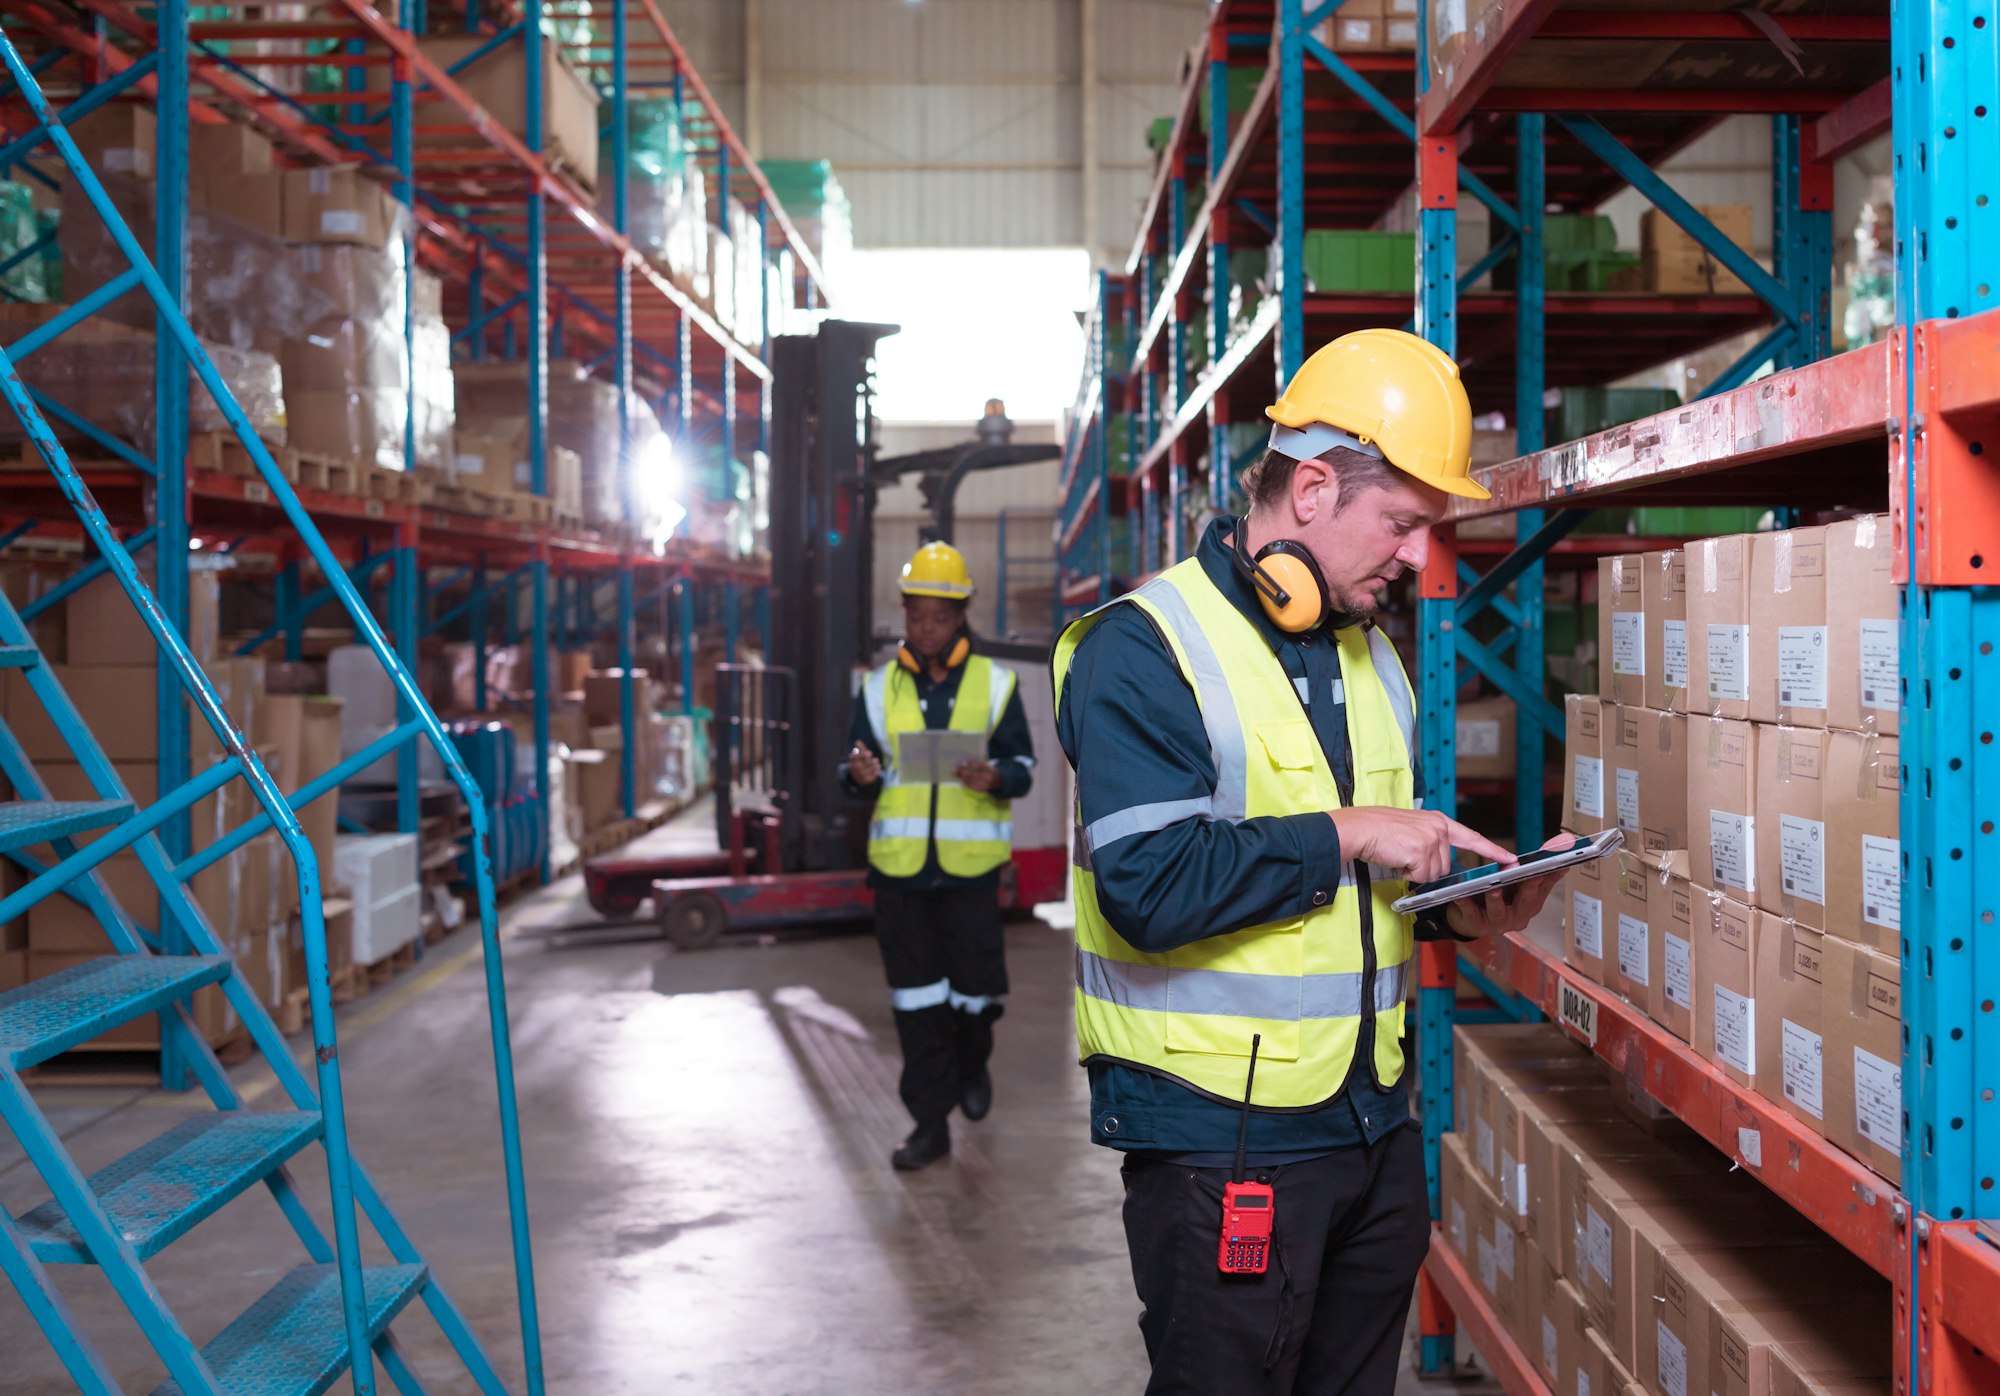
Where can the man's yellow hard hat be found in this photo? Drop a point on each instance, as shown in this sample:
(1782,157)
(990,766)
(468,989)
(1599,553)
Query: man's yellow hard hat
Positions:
(937,569)
(1397,396)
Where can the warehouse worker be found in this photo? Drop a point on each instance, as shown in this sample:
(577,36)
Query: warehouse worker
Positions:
(1248,806)
(935,851)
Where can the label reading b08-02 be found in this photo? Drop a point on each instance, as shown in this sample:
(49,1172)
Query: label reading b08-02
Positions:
(1577,1010)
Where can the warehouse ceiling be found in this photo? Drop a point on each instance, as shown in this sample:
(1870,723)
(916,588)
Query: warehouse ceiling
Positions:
(955,123)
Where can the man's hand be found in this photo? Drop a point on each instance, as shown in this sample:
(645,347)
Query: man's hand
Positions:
(982,776)
(1508,908)
(862,766)
(1415,842)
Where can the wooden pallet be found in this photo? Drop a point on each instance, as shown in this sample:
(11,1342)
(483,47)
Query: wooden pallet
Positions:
(391,486)
(333,476)
(523,508)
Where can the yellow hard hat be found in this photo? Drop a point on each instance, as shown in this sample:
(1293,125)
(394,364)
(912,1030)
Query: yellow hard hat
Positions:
(1395,394)
(937,569)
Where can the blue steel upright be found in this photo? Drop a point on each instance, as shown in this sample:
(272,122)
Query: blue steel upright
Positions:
(532,40)
(621,136)
(1530,371)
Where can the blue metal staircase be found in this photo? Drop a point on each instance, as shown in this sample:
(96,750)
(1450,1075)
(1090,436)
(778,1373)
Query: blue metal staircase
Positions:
(302,1335)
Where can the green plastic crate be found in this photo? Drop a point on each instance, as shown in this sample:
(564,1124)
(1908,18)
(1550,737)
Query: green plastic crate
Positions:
(1577,233)
(1582,411)
(1118,444)
(1243,85)
(1159,133)
(1352,260)
(1698,522)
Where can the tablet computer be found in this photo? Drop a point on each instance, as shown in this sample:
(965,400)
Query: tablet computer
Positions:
(1484,878)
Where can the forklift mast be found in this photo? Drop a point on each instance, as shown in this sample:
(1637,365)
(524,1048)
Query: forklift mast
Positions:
(822,567)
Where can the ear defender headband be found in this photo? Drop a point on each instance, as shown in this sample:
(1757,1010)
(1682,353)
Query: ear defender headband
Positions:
(960,651)
(1289,584)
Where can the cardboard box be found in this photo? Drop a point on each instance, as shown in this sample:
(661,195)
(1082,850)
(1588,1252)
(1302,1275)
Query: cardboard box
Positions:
(599,781)
(1559,1151)
(1788,656)
(1863,646)
(257,201)
(1864,888)
(498,82)
(602,696)
(118,138)
(1485,743)
(1609,1193)
(1640,911)
(1663,583)
(1585,891)
(1567,1317)
(1645,764)
(1791,806)
(1457,1195)
(1672,901)
(1584,797)
(1535,1327)
(1718,626)
(117,704)
(1722,804)
(105,629)
(1678,265)
(1725,988)
(338,204)
(1354,33)
(1621,629)
(1790,960)
(1861,1008)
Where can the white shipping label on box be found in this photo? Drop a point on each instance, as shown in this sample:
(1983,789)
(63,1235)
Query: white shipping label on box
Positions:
(1514,1183)
(1482,1134)
(1632,948)
(1478,737)
(1732,840)
(1878,1099)
(1674,653)
(1458,1225)
(1680,971)
(340,222)
(1587,924)
(1673,1361)
(1549,1336)
(1590,786)
(1736,1030)
(1729,662)
(1628,799)
(1503,1245)
(1628,643)
(1582,1382)
(1802,857)
(1597,1242)
(1489,1267)
(1802,666)
(1882,882)
(1802,1067)
(1880,665)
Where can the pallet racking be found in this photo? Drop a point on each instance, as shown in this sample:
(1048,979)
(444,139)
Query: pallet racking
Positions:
(1533,103)
(535,264)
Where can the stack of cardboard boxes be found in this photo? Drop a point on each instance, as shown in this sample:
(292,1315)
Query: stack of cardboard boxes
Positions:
(1626,1258)
(1744,736)
(1371,26)
(250,897)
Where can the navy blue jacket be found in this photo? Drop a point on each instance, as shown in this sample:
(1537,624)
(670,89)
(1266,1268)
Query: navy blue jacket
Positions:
(1132,730)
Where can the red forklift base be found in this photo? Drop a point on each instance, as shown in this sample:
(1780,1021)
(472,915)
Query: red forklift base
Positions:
(695,911)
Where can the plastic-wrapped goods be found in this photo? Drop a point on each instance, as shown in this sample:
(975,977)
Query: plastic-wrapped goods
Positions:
(1871,274)
(686,238)
(722,278)
(241,291)
(103,372)
(748,291)
(20,228)
(818,207)
(656,166)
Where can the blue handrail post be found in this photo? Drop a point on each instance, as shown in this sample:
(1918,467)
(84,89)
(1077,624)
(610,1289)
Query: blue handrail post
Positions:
(170,452)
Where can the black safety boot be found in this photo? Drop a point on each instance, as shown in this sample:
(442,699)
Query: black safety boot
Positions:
(975,1097)
(925,1146)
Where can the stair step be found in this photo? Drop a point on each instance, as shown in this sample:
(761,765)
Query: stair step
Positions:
(73,1005)
(293,1341)
(27,822)
(165,1188)
(19,656)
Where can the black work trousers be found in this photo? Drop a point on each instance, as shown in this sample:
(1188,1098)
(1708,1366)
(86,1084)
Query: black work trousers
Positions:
(946,958)
(1326,1319)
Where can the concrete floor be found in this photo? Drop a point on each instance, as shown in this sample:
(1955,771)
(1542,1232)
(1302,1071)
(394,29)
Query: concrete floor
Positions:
(706,1139)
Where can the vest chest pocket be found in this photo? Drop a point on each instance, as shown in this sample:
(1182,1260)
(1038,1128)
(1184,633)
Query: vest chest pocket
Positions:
(1292,761)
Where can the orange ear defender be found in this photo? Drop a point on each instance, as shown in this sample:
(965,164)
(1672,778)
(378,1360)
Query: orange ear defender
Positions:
(960,651)
(1289,584)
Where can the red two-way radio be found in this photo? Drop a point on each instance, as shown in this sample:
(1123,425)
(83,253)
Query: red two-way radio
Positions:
(1249,1210)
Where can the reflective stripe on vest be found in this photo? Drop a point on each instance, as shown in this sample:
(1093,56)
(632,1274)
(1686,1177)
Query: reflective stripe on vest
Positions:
(973,831)
(1304,983)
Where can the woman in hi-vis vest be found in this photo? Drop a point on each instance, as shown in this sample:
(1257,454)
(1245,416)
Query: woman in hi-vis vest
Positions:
(1249,808)
(937,841)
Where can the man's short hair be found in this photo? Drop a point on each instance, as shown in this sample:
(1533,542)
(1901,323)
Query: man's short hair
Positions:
(1266,483)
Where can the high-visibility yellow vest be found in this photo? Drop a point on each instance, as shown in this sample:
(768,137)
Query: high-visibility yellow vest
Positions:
(1300,983)
(974,831)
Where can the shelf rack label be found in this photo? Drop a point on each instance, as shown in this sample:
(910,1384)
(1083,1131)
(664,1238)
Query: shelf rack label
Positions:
(1577,1011)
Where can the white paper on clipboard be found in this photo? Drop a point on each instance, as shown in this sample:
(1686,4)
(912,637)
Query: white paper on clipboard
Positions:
(932,757)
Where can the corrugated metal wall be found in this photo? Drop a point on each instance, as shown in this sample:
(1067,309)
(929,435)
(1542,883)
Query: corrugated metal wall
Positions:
(952,123)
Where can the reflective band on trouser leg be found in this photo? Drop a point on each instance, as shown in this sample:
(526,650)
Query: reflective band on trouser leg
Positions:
(1303,982)
(976,1003)
(922,997)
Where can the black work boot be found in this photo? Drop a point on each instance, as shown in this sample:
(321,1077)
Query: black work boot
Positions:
(975,1097)
(925,1146)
